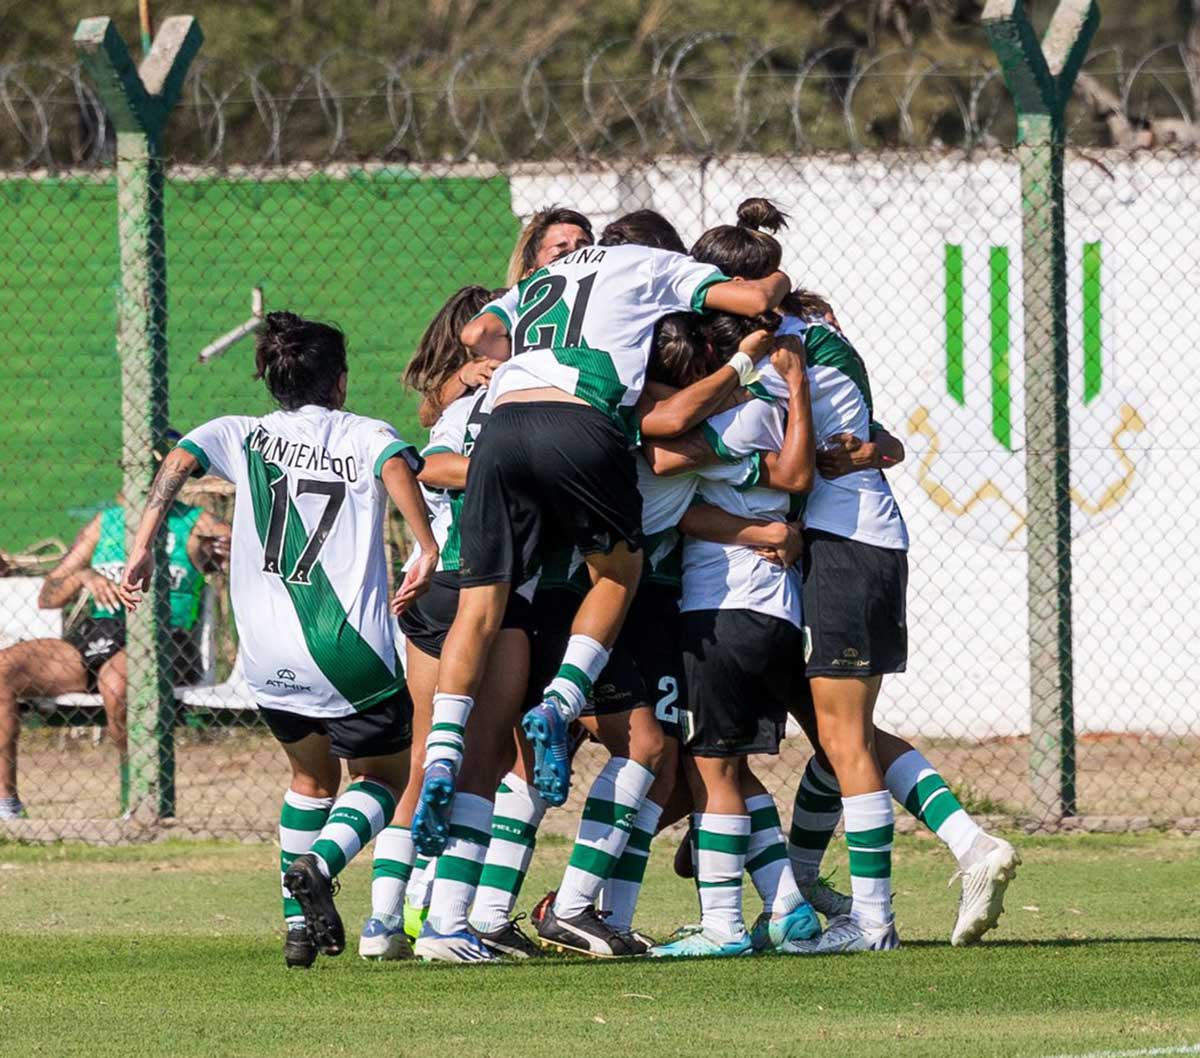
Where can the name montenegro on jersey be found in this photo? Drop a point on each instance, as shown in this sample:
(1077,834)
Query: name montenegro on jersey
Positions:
(308,574)
(585,323)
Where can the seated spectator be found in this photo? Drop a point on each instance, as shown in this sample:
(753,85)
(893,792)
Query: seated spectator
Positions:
(91,655)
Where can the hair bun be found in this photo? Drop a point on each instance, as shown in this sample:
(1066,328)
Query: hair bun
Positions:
(759,213)
(279,324)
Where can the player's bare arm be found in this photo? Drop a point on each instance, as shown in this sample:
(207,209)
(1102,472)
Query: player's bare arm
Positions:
(402,487)
(74,572)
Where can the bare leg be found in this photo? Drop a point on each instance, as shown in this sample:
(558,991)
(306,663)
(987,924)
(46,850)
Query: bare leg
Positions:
(469,641)
(844,707)
(614,581)
(111,683)
(422,674)
(37,668)
(486,756)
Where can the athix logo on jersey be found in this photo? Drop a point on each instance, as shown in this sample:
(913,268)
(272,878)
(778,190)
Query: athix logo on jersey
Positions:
(285,681)
(969,443)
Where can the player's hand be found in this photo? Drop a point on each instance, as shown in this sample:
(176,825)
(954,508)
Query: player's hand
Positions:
(416,581)
(790,551)
(476,373)
(103,590)
(756,344)
(789,359)
(138,569)
(845,454)
(213,553)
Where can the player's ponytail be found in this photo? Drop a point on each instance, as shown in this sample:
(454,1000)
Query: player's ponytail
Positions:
(679,355)
(440,353)
(302,360)
(758,214)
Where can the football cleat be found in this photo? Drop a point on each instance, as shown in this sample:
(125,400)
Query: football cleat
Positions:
(414,919)
(637,942)
(431,821)
(549,734)
(386,943)
(693,943)
(298,947)
(586,933)
(773,931)
(510,940)
(314,892)
(845,935)
(981,902)
(825,899)
(11,809)
(461,946)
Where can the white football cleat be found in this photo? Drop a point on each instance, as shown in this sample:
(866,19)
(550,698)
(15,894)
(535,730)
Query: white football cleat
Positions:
(462,946)
(981,902)
(843,936)
(384,943)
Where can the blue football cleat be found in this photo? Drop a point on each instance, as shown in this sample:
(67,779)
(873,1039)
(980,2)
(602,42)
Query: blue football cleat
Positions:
(431,821)
(379,941)
(773,931)
(462,946)
(547,731)
(693,944)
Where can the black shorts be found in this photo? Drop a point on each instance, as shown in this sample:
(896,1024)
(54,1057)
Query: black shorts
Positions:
(381,731)
(741,673)
(617,689)
(546,467)
(651,634)
(854,607)
(99,639)
(426,623)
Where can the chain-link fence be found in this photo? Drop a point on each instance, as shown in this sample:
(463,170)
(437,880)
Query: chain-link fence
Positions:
(364,191)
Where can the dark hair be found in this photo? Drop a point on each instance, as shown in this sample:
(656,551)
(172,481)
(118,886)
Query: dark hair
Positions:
(524,255)
(302,360)
(746,251)
(440,352)
(643,227)
(724,332)
(679,355)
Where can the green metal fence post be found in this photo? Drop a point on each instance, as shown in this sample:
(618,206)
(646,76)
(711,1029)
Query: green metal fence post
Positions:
(138,101)
(1041,77)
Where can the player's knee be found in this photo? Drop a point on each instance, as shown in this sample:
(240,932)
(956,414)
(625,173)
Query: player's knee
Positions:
(647,745)
(845,746)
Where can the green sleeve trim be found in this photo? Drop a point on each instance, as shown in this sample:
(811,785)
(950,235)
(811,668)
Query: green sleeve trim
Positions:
(433,450)
(718,445)
(500,314)
(405,451)
(197,453)
(760,392)
(754,475)
(701,292)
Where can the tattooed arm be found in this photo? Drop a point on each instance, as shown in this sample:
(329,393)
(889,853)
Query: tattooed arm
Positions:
(63,582)
(174,472)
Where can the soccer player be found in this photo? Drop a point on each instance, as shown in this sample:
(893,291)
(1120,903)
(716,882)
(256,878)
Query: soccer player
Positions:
(309,590)
(91,655)
(855,579)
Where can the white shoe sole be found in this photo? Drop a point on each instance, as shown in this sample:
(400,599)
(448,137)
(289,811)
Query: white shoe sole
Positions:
(384,949)
(436,949)
(1001,864)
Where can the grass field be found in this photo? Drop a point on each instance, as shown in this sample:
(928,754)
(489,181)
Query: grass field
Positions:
(174,950)
(376,254)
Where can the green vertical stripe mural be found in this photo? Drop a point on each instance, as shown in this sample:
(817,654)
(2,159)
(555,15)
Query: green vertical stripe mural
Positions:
(1093,363)
(1001,395)
(954,322)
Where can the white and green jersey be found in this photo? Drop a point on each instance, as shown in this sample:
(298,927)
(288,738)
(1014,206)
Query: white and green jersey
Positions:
(456,431)
(308,575)
(730,577)
(859,506)
(585,323)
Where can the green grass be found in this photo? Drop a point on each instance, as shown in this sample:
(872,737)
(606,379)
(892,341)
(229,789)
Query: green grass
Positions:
(378,255)
(173,950)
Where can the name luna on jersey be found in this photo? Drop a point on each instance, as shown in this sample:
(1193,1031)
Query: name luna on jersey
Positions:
(282,452)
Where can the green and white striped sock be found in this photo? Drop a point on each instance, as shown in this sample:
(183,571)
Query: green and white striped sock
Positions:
(515,821)
(815,815)
(461,863)
(582,663)
(620,892)
(915,783)
(445,739)
(608,818)
(390,872)
(362,811)
(300,823)
(767,858)
(721,844)
(870,824)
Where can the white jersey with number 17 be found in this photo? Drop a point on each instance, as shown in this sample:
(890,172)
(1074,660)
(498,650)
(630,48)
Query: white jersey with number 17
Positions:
(308,575)
(585,323)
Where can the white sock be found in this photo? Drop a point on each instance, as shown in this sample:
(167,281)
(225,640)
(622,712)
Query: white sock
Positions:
(620,892)
(870,824)
(300,823)
(461,862)
(515,821)
(390,872)
(583,661)
(767,858)
(721,843)
(362,811)
(420,885)
(608,817)
(445,740)
(815,814)
(916,784)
